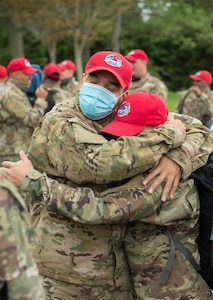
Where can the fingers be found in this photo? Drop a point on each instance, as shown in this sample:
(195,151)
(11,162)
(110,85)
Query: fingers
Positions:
(6,164)
(10,164)
(174,186)
(166,190)
(22,155)
(151,175)
(167,174)
(6,170)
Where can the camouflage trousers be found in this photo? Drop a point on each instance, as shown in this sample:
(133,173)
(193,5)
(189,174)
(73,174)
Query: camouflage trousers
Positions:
(148,248)
(58,290)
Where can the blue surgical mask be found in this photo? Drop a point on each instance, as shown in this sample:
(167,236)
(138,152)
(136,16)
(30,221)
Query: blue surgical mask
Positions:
(96,102)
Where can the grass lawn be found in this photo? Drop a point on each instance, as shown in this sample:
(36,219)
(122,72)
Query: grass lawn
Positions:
(173,98)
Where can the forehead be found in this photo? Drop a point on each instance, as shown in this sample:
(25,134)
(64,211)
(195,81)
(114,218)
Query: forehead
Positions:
(105,77)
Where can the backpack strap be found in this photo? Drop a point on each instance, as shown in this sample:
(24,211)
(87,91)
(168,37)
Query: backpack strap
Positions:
(175,242)
(168,267)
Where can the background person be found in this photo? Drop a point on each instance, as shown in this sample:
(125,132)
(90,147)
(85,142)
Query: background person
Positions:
(68,81)
(17,116)
(35,83)
(197,102)
(142,80)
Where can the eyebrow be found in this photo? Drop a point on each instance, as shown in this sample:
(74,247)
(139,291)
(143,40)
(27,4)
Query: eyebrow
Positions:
(114,82)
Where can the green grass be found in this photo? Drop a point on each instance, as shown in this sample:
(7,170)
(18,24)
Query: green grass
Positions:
(173,98)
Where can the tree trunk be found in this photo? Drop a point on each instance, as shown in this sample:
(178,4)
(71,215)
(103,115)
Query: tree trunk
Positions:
(116,32)
(16,39)
(52,51)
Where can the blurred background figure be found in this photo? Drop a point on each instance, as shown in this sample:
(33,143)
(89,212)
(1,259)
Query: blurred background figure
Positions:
(197,101)
(68,81)
(35,83)
(17,116)
(51,83)
(142,80)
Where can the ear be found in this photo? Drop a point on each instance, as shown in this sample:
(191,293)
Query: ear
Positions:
(14,74)
(125,94)
(82,77)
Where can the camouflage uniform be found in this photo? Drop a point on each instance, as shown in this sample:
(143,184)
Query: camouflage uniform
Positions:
(145,241)
(2,87)
(58,93)
(84,206)
(150,84)
(17,266)
(105,266)
(72,87)
(17,121)
(200,107)
(66,134)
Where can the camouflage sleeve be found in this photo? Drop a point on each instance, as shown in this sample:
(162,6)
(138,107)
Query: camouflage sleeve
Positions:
(64,149)
(160,89)
(17,265)
(123,203)
(29,116)
(194,151)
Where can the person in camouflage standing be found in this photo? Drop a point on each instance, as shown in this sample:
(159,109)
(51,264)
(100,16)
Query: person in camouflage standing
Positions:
(51,86)
(51,82)
(17,116)
(142,80)
(68,81)
(19,278)
(197,102)
(178,215)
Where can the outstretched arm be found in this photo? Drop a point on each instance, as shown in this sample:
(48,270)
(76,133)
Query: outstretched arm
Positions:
(127,202)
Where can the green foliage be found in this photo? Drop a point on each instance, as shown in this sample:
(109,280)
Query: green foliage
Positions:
(176,34)
(173,98)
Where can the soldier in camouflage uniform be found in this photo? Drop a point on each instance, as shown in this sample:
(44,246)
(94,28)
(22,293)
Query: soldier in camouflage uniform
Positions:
(51,83)
(17,116)
(131,202)
(68,81)
(18,269)
(142,80)
(197,102)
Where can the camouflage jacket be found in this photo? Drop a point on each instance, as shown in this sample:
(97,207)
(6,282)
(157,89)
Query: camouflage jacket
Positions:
(2,87)
(65,136)
(150,84)
(198,107)
(127,202)
(17,121)
(17,266)
(68,145)
(72,87)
